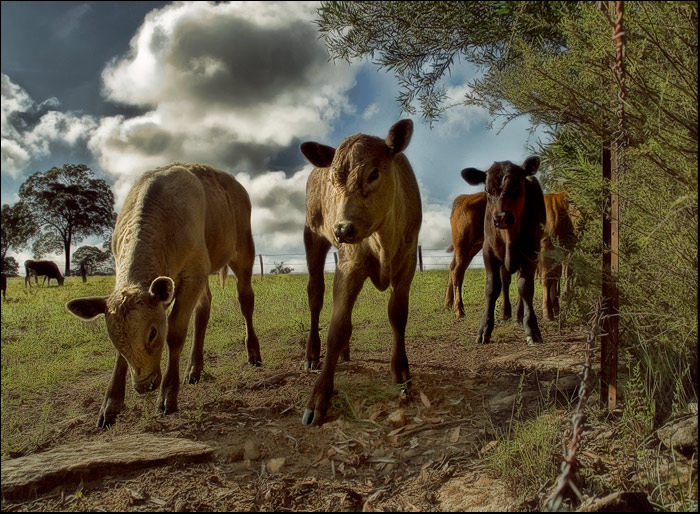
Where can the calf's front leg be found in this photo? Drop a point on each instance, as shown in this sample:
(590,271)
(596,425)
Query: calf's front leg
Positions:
(346,288)
(186,296)
(114,399)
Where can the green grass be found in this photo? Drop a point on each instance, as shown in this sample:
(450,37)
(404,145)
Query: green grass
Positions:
(51,359)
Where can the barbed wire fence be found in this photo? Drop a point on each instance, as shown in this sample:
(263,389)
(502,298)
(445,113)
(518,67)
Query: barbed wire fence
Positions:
(567,482)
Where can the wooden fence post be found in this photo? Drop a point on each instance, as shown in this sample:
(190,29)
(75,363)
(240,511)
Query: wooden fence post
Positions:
(261,265)
(420,258)
(611,256)
(335,258)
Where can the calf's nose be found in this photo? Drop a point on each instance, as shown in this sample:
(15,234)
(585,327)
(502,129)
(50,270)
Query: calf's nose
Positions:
(503,219)
(344,232)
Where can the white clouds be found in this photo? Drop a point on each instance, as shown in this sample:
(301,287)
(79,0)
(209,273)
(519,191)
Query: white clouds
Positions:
(278,209)
(229,84)
(14,157)
(29,130)
(460,118)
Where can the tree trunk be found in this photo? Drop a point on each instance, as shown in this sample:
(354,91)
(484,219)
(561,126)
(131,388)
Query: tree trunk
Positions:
(66,245)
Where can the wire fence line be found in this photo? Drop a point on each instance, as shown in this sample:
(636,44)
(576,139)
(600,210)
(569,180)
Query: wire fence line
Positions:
(428,259)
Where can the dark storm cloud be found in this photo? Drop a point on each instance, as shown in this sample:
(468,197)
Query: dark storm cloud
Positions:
(280,196)
(239,63)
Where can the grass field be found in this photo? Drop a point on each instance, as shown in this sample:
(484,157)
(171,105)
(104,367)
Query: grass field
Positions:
(497,409)
(46,350)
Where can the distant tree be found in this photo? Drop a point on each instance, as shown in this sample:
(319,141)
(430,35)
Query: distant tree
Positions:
(69,203)
(281,269)
(18,228)
(95,260)
(47,243)
(10,266)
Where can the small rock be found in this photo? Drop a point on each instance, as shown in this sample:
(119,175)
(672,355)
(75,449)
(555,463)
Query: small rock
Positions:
(251,451)
(682,435)
(274,465)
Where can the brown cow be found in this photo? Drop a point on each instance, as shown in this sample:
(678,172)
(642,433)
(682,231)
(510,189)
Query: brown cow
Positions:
(3,285)
(178,224)
(467,223)
(47,269)
(559,231)
(363,198)
(513,228)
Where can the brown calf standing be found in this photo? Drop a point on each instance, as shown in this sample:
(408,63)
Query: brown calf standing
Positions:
(513,228)
(363,198)
(179,223)
(467,223)
(559,230)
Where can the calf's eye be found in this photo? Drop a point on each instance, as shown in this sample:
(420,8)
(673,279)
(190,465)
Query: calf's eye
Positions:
(374,175)
(152,335)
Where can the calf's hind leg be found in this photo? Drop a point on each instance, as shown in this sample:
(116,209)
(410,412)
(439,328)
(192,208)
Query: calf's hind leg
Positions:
(201,319)
(316,251)
(243,269)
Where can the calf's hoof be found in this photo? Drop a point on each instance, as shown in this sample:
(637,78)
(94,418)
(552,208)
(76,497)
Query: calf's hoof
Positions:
(106,420)
(192,376)
(166,407)
(312,365)
(255,363)
(311,417)
(483,339)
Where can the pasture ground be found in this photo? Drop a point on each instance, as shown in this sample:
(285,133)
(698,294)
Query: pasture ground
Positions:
(449,447)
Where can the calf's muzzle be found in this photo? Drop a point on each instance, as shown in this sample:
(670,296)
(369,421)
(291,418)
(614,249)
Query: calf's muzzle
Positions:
(344,232)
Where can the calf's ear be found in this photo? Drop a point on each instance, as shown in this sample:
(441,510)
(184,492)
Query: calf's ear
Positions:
(399,136)
(87,308)
(163,289)
(473,176)
(531,165)
(319,155)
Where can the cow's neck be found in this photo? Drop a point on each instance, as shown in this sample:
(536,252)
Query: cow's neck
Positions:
(140,261)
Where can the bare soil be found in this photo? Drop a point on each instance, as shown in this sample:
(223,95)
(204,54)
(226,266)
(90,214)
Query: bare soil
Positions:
(365,457)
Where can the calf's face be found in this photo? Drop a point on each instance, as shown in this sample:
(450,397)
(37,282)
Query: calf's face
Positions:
(505,188)
(363,181)
(137,326)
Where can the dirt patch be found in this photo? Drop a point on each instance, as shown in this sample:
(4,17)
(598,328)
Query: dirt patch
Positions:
(375,452)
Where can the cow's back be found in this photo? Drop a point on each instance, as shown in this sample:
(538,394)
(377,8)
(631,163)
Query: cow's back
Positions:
(559,223)
(176,215)
(535,217)
(227,218)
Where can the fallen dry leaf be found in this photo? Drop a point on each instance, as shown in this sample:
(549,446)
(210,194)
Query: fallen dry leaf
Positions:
(424,400)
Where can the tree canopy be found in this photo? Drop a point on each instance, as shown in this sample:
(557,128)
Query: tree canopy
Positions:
(17,227)
(68,204)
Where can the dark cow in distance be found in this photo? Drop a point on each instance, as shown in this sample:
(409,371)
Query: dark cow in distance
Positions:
(362,197)
(47,269)
(558,231)
(3,285)
(513,227)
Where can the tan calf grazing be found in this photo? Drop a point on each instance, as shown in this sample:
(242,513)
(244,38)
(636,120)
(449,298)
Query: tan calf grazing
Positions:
(179,223)
(364,199)
(559,231)
(467,224)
